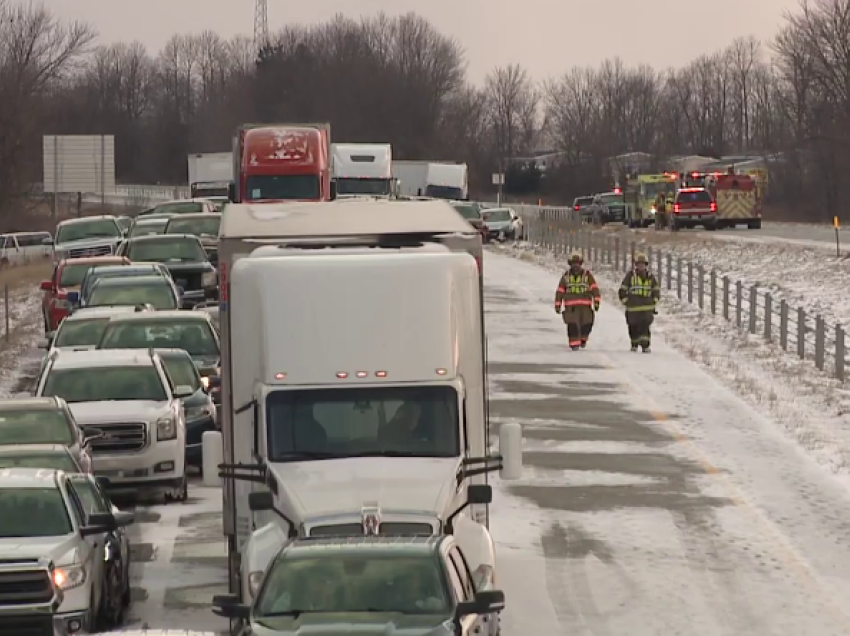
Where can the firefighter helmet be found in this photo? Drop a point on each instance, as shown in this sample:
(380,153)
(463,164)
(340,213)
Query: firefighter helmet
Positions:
(575,257)
(641,258)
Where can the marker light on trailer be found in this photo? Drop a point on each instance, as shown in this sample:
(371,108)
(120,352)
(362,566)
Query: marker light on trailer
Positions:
(380,374)
(279,376)
(342,375)
(441,372)
(362,374)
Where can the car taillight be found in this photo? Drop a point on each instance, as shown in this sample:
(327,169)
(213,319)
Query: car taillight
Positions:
(713,206)
(676,208)
(576,208)
(478,262)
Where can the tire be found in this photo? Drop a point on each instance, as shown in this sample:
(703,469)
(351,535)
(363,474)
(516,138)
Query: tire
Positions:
(113,611)
(754,225)
(183,495)
(711,227)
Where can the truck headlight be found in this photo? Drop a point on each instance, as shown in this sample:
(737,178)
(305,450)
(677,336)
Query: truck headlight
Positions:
(166,428)
(69,577)
(255,579)
(209,279)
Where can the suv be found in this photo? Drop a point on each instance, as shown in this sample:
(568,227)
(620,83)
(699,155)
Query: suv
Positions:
(52,559)
(692,207)
(97,272)
(87,236)
(157,291)
(423,584)
(184,256)
(44,420)
(127,396)
(204,226)
(471,212)
(608,207)
(582,206)
(502,223)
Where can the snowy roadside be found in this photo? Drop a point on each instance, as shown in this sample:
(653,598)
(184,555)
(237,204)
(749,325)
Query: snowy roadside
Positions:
(25,330)
(809,407)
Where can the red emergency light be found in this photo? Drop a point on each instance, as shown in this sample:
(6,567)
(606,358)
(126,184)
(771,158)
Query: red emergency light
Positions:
(617,191)
(676,208)
(713,206)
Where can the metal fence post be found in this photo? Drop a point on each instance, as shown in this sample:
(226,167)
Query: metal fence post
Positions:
(690,282)
(726,297)
(783,324)
(8,316)
(632,249)
(658,267)
(801,333)
(713,292)
(754,299)
(679,277)
(617,253)
(739,303)
(820,342)
(839,352)
(669,271)
(700,285)
(768,316)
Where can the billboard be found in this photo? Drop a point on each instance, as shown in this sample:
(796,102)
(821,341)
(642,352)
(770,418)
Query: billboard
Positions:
(79,163)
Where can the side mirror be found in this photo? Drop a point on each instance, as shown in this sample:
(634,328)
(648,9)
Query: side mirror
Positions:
(99,523)
(183,391)
(479,494)
(259,501)
(485,602)
(46,285)
(510,448)
(73,297)
(44,343)
(124,519)
(228,606)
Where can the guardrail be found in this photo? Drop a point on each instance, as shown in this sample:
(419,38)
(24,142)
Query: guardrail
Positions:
(751,308)
(134,195)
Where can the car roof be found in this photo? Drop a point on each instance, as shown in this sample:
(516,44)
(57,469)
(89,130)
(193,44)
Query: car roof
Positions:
(195,215)
(118,267)
(90,313)
(485,210)
(173,353)
(26,449)
(93,260)
(101,358)
(19,477)
(153,238)
(29,404)
(84,219)
(609,193)
(118,281)
(425,544)
(154,218)
(198,200)
(164,316)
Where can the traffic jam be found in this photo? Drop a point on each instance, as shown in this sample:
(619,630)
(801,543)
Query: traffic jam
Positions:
(201,342)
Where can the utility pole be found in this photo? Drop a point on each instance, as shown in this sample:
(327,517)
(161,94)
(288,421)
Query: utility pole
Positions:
(261,25)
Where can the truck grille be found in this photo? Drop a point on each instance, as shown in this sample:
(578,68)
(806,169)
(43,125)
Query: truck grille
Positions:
(27,587)
(127,437)
(83,252)
(32,625)
(189,282)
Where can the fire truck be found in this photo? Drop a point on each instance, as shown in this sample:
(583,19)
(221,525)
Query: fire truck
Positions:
(738,201)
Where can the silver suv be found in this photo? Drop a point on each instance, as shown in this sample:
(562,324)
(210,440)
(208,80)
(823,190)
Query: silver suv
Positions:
(127,396)
(87,236)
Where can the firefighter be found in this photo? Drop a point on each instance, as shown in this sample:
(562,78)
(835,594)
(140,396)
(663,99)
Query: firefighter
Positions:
(579,296)
(660,211)
(640,292)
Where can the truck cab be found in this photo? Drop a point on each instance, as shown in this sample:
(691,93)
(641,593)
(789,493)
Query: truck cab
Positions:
(363,170)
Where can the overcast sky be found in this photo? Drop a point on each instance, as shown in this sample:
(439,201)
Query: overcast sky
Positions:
(546,36)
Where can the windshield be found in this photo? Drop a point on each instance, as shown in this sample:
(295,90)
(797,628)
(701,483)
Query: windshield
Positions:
(193,336)
(35,427)
(33,512)
(164,250)
(72,275)
(700,196)
(101,228)
(291,186)
(80,333)
(334,423)
(583,201)
(181,207)
(468,211)
(199,227)
(654,189)
(97,384)
(496,215)
(96,274)
(379,187)
(160,295)
(611,199)
(354,583)
(50,461)
(182,371)
(443,192)
(149,228)
(124,222)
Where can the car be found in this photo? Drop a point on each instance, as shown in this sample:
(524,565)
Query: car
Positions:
(184,256)
(182,206)
(125,223)
(45,420)
(608,207)
(472,213)
(693,207)
(49,456)
(204,226)
(502,223)
(199,408)
(127,396)
(117,555)
(149,225)
(219,202)
(192,331)
(411,585)
(67,277)
(111,271)
(18,248)
(582,206)
(83,329)
(157,291)
(87,236)
(52,553)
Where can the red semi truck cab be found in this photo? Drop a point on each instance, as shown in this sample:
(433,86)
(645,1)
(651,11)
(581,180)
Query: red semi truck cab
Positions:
(282,162)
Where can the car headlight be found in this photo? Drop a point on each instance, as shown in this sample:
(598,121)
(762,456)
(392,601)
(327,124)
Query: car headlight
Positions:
(209,279)
(166,428)
(69,577)
(198,412)
(255,579)
(205,381)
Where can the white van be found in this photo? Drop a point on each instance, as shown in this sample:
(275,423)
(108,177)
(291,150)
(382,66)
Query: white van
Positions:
(22,247)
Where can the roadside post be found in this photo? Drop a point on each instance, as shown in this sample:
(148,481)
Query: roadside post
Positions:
(837,227)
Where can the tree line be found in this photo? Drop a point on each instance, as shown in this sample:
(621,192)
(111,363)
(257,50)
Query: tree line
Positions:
(399,80)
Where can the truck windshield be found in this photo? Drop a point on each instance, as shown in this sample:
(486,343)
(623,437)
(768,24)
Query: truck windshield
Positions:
(378,187)
(297,187)
(444,192)
(350,582)
(32,512)
(81,230)
(337,423)
(654,189)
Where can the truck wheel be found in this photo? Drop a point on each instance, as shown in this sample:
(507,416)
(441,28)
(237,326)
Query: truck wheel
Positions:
(754,225)
(711,227)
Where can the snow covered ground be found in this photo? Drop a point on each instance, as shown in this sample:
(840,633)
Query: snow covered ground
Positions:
(655,500)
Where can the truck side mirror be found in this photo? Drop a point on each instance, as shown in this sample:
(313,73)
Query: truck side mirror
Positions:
(260,501)
(510,448)
(333,190)
(479,494)
(231,191)
(228,606)
(485,602)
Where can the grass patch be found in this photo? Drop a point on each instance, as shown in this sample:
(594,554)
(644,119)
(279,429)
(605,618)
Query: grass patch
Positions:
(27,274)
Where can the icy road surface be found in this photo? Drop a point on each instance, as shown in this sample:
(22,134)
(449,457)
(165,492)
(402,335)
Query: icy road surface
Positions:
(654,501)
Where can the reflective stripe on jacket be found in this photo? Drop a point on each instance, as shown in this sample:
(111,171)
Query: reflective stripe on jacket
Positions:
(577,290)
(640,292)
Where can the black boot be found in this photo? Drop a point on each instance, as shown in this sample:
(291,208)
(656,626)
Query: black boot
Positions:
(634,347)
(583,344)
(575,348)
(646,349)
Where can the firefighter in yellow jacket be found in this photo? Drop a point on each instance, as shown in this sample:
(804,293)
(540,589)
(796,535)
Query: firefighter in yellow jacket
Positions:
(640,292)
(578,296)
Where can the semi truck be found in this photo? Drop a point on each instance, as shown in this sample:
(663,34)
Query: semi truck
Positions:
(281,162)
(363,170)
(439,180)
(210,174)
(354,386)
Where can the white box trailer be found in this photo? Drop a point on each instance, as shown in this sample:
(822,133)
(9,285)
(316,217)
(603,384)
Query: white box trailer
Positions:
(210,173)
(351,295)
(363,169)
(435,179)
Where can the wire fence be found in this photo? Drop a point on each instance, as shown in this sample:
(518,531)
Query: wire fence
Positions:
(750,308)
